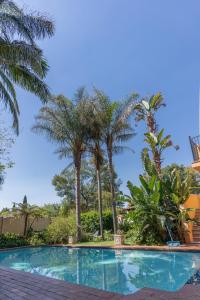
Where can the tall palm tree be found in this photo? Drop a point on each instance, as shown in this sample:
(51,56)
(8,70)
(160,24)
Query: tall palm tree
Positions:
(63,122)
(116,130)
(95,133)
(21,60)
(26,211)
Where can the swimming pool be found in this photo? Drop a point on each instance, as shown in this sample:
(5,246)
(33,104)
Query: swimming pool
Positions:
(120,271)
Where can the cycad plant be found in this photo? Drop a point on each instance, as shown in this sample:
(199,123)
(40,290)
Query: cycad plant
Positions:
(21,60)
(64,122)
(116,130)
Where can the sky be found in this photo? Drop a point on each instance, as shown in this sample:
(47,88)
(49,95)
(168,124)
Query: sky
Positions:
(120,46)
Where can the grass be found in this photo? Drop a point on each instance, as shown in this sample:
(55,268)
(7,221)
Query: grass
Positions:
(100,244)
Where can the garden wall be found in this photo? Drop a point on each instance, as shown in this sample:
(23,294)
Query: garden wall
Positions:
(16,225)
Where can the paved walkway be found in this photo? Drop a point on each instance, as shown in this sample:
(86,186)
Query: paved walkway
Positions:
(18,285)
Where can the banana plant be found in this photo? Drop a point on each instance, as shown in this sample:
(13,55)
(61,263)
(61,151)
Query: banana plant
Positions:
(145,110)
(157,143)
(147,212)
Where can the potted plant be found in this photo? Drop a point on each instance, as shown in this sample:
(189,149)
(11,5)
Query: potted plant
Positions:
(71,239)
(72,234)
(119,238)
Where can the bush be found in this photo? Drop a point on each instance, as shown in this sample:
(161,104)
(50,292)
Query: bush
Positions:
(37,239)
(9,240)
(136,236)
(90,221)
(108,236)
(60,229)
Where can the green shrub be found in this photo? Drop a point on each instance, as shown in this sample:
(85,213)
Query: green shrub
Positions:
(90,221)
(108,236)
(37,239)
(136,236)
(9,240)
(60,229)
(86,237)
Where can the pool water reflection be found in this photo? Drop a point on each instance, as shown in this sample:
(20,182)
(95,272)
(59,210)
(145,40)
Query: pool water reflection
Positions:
(120,271)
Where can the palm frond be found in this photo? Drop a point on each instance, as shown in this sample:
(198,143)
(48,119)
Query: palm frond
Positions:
(29,81)
(11,104)
(29,26)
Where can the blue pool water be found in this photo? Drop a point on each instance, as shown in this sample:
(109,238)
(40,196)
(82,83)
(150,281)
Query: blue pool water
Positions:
(120,271)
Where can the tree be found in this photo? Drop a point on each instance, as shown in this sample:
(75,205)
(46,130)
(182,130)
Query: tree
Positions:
(51,210)
(157,144)
(95,130)
(63,122)
(6,142)
(64,185)
(145,110)
(26,211)
(116,130)
(21,60)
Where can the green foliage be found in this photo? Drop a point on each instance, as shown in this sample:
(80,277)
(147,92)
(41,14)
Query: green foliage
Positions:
(51,210)
(135,236)
(145,218)
(22,61)
(90,221)
(108,235)
(37,239)
(26,211)
(65,181)
(157,203)
(193,177)
(9,240)
(60,229)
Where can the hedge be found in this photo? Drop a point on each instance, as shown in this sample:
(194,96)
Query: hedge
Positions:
(90,221)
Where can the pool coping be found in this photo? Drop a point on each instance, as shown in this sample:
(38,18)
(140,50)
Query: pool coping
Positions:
(191,290)
(182,248)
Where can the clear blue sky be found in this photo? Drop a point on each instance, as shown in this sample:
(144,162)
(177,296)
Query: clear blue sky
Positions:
(119,46)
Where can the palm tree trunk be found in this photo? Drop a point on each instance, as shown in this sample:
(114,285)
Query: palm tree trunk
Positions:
(100,201)
(25,225)
(112,188)
(78,198)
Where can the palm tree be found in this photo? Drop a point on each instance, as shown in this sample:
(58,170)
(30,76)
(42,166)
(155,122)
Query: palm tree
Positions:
(21,60)
(95,132)
(116,130)
(26,211)
(63,122)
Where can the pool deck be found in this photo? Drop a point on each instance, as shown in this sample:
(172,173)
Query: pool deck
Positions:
(17,285)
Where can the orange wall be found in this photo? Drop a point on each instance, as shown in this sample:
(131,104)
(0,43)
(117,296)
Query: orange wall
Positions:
(192,202)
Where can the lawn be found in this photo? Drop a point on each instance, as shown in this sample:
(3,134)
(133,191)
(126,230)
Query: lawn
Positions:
(95,244)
